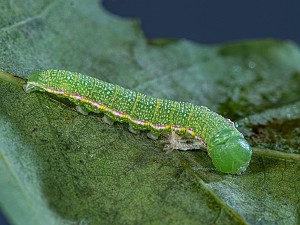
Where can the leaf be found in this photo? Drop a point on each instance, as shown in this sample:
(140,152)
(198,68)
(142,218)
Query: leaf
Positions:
(65,168)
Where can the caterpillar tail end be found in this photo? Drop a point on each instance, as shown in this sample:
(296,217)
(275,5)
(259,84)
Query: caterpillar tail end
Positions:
(230,152)
(29,87)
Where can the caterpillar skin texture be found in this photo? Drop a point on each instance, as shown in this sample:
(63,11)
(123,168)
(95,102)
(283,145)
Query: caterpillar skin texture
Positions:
(229,151)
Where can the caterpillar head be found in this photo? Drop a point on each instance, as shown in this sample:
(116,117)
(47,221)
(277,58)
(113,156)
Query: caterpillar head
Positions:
(229,151)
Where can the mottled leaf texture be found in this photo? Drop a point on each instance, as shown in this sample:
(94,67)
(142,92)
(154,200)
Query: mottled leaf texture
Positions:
(58,166)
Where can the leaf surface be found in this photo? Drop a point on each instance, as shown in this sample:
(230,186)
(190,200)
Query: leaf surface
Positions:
(62,167)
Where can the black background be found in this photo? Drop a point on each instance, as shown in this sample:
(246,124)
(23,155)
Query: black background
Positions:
(3,220)
(211,21)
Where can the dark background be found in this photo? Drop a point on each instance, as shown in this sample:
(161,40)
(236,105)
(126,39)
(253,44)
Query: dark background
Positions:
(211,21)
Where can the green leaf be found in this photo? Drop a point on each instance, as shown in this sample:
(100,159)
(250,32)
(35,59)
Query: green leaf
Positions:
(60,167)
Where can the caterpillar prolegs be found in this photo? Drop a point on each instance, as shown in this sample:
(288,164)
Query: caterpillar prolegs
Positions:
(229,151)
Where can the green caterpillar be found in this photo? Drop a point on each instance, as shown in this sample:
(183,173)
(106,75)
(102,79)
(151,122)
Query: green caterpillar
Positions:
(226,146)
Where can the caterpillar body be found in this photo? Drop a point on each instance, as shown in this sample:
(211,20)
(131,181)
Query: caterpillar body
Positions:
(226,146)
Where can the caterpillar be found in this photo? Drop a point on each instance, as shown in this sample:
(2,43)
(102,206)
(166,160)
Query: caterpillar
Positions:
(229,151)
